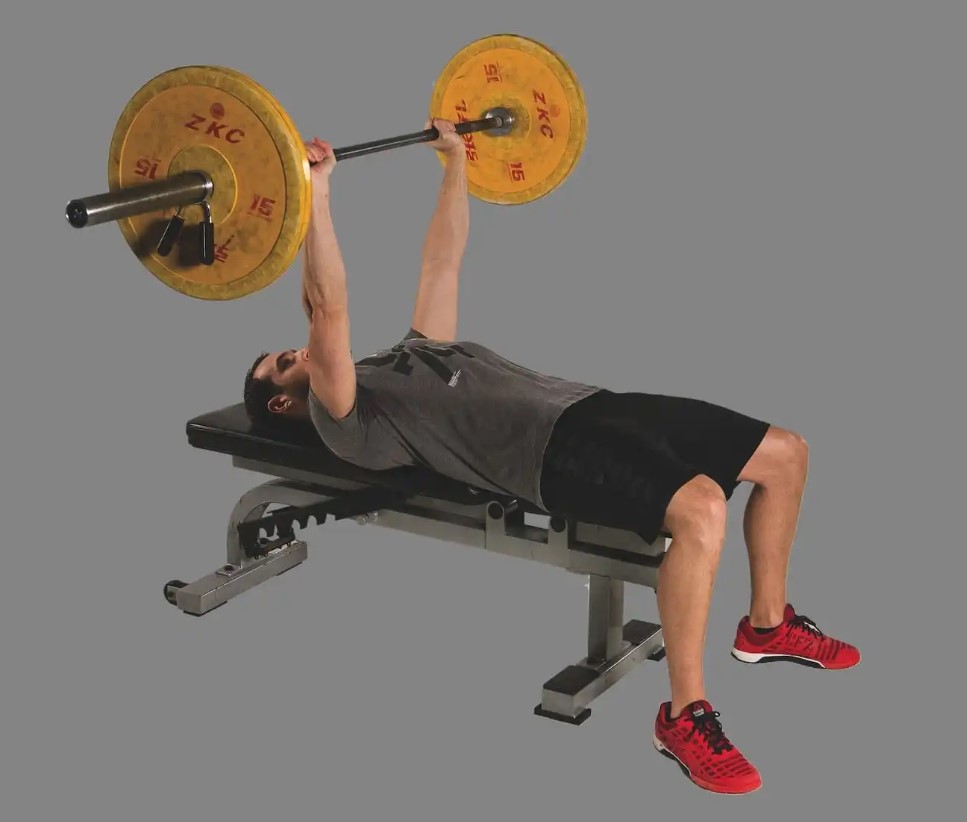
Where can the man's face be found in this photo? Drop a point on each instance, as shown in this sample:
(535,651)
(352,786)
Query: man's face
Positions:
(290,371)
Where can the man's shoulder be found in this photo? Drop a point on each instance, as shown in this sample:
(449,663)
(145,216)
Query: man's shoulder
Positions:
(413,334)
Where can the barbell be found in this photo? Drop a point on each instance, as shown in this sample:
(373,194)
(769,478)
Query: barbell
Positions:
(211,139)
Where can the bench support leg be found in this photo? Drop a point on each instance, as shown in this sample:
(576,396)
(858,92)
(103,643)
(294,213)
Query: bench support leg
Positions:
(614,647)
(241,573)
(613,651)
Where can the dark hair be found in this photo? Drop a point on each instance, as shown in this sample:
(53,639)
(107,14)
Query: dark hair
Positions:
(257,394)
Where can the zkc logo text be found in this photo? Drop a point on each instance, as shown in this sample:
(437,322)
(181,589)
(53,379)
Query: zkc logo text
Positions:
(212,126)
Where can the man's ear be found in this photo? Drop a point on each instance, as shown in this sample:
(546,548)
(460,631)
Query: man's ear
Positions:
(280,404)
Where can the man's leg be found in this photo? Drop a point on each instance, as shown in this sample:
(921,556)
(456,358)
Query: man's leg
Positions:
(696,519)
(779,470)
(687,728)
(612,459)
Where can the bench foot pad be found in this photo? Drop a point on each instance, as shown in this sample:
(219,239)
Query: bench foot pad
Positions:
(567,696)
(569,720)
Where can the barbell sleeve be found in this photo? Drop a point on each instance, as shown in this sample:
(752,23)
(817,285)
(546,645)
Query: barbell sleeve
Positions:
(178,190)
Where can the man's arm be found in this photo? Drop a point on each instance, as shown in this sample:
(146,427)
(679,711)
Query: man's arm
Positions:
(332,373)
(435,314)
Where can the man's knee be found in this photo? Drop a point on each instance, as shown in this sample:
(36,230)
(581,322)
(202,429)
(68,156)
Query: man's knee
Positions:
(800,450)
(698,512)
(782,459)
(792,454)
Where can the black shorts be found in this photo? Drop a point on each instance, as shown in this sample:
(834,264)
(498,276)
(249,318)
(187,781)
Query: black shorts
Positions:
(617,459)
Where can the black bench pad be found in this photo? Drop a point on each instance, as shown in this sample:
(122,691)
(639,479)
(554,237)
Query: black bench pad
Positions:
(229,431)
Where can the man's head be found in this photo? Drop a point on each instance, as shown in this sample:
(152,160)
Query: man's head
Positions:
(277,387)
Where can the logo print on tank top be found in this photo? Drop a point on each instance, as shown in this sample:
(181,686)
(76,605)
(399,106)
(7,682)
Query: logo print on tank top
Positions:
(433,356)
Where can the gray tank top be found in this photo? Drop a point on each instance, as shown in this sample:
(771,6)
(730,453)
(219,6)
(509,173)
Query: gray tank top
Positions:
(457,409)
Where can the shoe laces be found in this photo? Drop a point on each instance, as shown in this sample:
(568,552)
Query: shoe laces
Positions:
(710,728)
(804,623)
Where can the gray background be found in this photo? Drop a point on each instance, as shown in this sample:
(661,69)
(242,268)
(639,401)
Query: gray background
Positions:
(769,215)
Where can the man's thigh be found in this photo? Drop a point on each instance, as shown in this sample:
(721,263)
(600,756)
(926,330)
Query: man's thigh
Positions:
(595,473)
(711,439)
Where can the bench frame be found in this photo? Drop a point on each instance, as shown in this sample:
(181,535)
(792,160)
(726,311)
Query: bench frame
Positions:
(608,557)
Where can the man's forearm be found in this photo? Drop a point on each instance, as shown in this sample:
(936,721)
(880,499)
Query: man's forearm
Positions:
(446,238)
(323,274)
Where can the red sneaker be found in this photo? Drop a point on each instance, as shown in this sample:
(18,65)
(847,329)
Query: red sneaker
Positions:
(796,639)
(695,740)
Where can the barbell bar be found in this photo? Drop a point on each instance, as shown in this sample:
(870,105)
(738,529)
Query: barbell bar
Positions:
(194,187)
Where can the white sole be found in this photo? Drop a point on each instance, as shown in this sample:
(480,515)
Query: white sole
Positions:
(662,749)
(745,656)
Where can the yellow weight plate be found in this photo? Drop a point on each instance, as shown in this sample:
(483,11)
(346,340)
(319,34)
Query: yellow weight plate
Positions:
(534,83)
(216,120)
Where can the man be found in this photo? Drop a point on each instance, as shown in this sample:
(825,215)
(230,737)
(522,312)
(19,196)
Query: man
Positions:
(652,463)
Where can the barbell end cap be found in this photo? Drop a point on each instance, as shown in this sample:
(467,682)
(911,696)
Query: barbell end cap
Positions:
(209,184)
(505,121)
(77,213)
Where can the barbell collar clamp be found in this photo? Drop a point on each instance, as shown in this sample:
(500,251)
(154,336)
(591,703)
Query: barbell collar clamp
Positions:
(171,233)
(207,236)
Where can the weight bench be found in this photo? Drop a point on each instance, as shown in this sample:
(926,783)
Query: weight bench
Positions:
(311,483)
